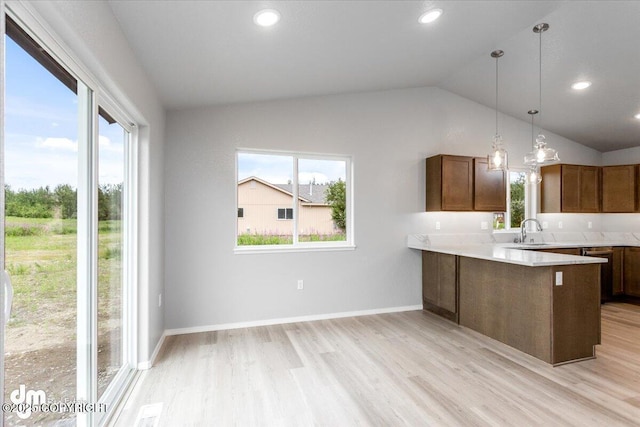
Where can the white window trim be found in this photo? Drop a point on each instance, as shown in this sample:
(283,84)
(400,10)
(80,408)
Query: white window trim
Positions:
(296,246)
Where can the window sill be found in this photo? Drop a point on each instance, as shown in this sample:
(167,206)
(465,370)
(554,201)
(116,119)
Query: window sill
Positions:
(274,249)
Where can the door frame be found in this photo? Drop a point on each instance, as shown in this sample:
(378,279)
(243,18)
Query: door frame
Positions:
(2,265)
(91,94)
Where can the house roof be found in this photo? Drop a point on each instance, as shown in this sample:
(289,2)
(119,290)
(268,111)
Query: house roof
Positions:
(307,193)
(311,193)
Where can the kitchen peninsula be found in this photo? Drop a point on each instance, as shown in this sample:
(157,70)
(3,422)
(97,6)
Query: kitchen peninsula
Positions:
(544,304)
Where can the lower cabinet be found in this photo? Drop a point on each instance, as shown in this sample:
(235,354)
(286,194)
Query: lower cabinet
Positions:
(632,271)
(440,284)
(617,271)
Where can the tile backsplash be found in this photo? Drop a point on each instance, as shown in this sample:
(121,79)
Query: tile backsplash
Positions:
(482,222)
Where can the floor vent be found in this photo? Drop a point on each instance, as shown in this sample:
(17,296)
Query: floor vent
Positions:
(149,415)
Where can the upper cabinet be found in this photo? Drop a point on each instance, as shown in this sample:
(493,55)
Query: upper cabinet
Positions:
(489,188)
(570,188)
(449,183)
(461,183)
(619,188)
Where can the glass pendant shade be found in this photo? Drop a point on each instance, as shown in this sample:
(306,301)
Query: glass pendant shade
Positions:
(534,176)
(541,154)
(497,159)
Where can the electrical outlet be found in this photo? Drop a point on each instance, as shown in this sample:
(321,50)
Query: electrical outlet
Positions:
(437,225)
(545,224)
(484,225)
(558,278)
(589,225)
(300,285)
(159,300)
(559,224)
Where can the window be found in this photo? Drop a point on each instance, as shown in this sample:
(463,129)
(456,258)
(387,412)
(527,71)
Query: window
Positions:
(285,213)
(517,202)
(293,200)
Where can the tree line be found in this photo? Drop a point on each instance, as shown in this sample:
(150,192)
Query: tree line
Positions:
(61,202)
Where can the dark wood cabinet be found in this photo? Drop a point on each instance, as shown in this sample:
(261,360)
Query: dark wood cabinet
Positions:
(461,183)
(449,183)
(564,251)
(619,188)
(570,188)
(440,283)
(632,271)
(617,271)
(489,187)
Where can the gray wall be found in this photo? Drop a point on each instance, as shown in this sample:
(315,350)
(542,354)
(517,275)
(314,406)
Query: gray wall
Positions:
(93,35)
(389,134)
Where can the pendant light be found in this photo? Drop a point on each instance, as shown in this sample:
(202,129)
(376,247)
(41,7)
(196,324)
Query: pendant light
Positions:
(497,159)
(533,176)
(541,154)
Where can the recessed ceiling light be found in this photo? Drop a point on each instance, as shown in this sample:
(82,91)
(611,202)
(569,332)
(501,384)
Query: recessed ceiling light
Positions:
(430,16)
(581,85)
(637,116)
(266,17)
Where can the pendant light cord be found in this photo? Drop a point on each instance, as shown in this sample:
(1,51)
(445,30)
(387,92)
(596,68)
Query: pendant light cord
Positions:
(540,86)
(497,96)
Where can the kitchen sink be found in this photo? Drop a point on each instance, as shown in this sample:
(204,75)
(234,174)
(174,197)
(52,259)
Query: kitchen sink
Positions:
(529,245)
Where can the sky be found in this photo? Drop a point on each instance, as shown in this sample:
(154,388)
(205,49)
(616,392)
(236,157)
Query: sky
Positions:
(41,129)
(278,169)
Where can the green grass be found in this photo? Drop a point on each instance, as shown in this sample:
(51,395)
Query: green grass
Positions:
(338,237)
(41,256)
(259,239)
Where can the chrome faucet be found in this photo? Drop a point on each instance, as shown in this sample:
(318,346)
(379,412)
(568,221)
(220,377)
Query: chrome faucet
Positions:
(523,228)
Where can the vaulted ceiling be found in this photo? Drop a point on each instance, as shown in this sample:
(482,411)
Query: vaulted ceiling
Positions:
(201,53)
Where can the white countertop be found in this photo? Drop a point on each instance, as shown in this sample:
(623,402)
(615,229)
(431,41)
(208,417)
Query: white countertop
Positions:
(511,252)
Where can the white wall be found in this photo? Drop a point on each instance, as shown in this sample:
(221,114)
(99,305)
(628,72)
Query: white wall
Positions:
(91,32)
(389,134)
(627,156)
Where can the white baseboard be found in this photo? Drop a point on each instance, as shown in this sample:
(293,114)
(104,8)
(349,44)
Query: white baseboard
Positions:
(268,322)
(147,364)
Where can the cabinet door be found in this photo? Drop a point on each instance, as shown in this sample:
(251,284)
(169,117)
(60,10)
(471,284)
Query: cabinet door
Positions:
(457,183)
(490,189)
(632,271)
(589,189)
(570,188)
(617,271)
(447,290)
(439,281)
(619,188)
(565,251)
(550,197)
(430,277)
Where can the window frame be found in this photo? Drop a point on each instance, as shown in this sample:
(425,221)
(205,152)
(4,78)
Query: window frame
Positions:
(286,212)
(297,246)
(529,202)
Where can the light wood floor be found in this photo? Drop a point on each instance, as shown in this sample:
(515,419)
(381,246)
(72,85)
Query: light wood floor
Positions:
(410,368)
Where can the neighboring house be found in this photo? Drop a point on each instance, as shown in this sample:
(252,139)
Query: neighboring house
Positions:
(265,208)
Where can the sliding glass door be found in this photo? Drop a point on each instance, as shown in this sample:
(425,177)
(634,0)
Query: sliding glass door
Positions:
(67,240)
(41,240)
